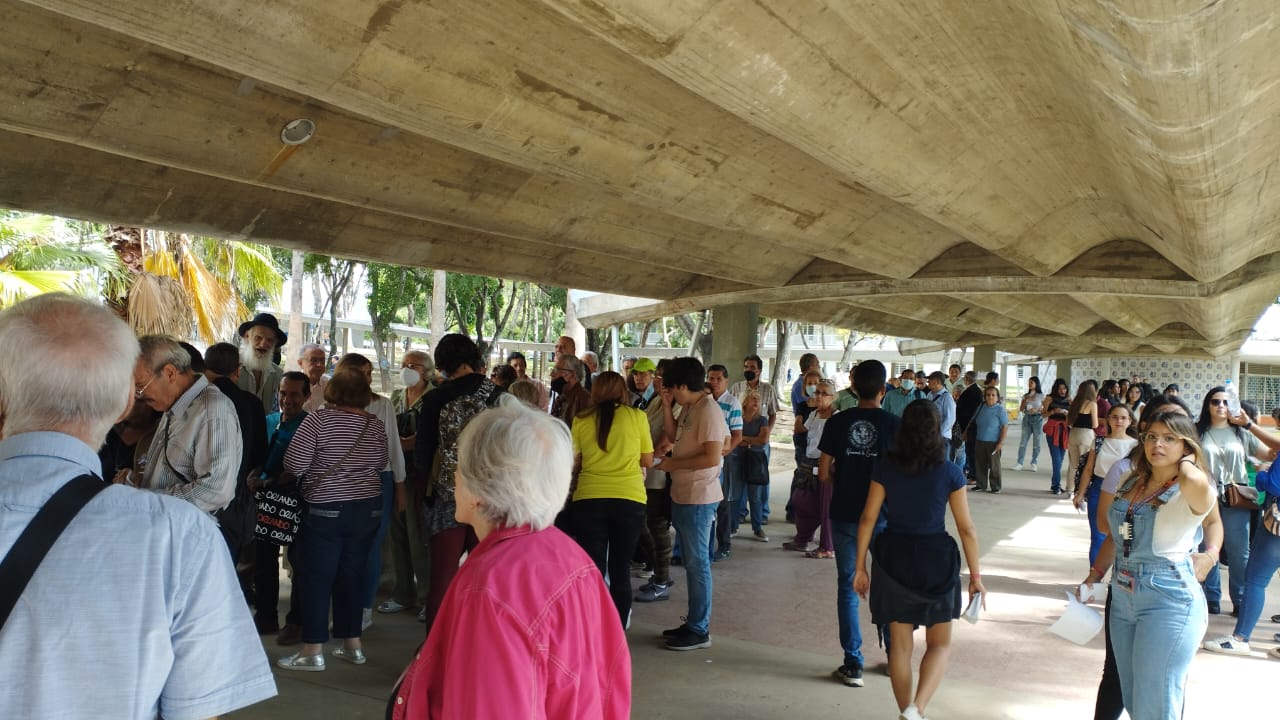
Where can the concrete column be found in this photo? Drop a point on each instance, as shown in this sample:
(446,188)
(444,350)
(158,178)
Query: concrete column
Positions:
(735,332)
(572,327)
(984,359)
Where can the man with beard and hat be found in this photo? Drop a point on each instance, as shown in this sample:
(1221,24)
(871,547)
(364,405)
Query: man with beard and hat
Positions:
(259,373)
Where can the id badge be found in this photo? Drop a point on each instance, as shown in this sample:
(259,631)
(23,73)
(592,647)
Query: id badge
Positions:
(1125,531)
(1124,580)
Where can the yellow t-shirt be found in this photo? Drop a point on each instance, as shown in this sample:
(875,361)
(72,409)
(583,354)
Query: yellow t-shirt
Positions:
(615,474)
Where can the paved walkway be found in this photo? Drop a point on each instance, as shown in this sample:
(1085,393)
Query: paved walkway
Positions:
(774,630)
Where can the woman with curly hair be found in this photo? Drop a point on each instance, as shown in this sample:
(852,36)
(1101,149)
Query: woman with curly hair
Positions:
(917,564)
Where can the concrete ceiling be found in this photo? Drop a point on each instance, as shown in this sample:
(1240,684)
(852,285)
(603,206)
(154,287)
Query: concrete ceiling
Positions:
(1056,178)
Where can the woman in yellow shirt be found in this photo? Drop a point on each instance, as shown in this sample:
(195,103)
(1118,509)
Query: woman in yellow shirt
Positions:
(612,448)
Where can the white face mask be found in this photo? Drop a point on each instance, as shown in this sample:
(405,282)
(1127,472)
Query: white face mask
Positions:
(410,377)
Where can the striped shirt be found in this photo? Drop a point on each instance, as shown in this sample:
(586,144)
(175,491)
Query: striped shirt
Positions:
(732,410)
(196,451)
(346,465)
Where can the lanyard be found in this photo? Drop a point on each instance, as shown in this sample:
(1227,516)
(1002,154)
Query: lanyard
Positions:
(1127,527)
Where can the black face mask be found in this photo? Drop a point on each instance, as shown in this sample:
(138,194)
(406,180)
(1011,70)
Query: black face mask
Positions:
(749,375)
(557,385)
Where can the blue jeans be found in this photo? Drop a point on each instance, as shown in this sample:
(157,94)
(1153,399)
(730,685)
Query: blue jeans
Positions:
(757,498)
(373,568)
(333,551)
(1096,537)
(1031,431)
(1155,631)
(693,523)
(844,538)
(1264,560)
(1235,550)
(1056,454)
(746,498)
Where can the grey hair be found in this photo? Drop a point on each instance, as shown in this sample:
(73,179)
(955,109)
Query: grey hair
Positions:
(517,462)
(309,347)
(161,350)
(831,384)
(45,383)
(576,367)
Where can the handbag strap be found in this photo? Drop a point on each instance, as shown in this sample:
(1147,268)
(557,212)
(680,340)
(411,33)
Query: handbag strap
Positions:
(20,564)
(347,454)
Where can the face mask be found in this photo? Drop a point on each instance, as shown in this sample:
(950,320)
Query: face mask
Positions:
(749,375)
(810,389)
(557,385)
(410,377)
(444,375)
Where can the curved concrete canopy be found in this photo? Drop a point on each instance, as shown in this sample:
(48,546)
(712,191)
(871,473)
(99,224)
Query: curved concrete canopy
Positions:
(1055,178)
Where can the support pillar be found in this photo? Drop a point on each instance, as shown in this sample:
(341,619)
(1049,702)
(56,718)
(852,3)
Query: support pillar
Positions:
(735,333)
(984,360)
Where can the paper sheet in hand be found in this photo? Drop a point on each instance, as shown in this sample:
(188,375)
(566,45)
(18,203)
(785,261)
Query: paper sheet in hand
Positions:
(1079,623)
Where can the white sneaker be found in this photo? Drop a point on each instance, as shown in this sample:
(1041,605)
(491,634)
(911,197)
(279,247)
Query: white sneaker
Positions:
(1018,466)
(911,713)
(366,620)
(1033,467)
(1226,645)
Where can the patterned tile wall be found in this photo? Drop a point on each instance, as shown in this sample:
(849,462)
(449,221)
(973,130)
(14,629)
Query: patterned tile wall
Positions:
(1195,377)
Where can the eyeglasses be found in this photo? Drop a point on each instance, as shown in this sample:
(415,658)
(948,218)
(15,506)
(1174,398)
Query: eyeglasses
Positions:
(825,394)
(1218,402)
(137,393)
(1153,439)
(414,365)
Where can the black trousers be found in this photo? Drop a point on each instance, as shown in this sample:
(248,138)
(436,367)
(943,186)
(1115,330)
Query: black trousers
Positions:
(608,529)
(1110,701)
(266,582)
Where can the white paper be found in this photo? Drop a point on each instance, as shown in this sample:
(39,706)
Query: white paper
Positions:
(1079,623)
(975,606)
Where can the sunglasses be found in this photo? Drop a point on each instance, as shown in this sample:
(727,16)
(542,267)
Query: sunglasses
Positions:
(1216,402)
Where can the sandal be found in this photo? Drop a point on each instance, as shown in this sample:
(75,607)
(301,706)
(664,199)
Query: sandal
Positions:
(820,554)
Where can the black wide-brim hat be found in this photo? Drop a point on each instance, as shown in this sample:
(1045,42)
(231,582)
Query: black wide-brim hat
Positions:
(266,320)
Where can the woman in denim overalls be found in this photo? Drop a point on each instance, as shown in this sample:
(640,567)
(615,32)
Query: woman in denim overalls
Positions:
(1158,611)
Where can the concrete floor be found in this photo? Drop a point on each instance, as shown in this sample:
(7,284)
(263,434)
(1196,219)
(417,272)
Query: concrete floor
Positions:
(774,630)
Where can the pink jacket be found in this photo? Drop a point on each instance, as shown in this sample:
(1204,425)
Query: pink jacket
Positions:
(526,630)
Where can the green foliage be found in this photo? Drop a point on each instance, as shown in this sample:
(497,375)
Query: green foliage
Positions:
(40,254)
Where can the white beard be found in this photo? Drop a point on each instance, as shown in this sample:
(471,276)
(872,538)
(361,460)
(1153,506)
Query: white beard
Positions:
(252,361)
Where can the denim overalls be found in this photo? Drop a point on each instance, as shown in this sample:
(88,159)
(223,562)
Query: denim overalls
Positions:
(1158,617)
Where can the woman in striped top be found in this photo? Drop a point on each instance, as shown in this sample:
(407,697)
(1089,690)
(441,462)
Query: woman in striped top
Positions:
(338,454)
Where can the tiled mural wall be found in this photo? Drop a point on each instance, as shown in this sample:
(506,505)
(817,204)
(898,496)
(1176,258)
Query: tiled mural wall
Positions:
(1195,377)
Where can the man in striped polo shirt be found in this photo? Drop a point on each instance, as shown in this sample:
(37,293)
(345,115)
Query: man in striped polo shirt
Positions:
(730,483)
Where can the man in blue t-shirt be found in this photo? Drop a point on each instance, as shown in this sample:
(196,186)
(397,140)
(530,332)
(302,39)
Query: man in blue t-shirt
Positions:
(851,442)
(295,388)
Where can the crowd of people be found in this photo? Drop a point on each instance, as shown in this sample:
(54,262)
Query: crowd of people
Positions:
(518,512)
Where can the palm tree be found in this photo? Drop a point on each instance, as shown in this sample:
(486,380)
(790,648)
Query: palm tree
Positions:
(40,254)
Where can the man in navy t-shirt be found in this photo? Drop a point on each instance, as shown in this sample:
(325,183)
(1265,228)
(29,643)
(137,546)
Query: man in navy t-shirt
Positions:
(851,442)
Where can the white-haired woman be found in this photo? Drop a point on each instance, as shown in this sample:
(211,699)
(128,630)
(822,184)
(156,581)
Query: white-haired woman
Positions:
(528,606)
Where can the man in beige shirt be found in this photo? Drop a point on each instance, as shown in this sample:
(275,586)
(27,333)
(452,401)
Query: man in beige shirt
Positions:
(694,466)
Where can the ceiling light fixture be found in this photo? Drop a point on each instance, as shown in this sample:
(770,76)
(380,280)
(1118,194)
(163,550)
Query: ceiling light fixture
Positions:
(297,131)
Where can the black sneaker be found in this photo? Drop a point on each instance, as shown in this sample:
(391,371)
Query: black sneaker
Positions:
(688,640)
(1214,608)
(675,632)
(850,675)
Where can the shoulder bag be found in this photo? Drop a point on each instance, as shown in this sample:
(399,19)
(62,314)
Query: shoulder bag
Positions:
(31,547)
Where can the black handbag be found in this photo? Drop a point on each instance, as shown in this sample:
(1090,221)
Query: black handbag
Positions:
(756,471)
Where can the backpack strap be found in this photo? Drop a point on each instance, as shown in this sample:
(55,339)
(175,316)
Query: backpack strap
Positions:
(24,558)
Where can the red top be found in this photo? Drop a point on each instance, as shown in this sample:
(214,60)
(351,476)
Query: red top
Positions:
(526,630)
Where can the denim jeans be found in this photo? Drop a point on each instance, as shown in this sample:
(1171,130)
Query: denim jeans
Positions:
(845,538)
(1055,455)
(373,568)
(1264,560)
(607,529)
(1032,426)
(693,523)
(333,552)
(757,499)
(1235,551)
(726,513)
(1096,537)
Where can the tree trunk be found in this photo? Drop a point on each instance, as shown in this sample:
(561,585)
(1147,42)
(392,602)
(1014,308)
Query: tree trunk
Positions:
(644,333)
(295,304)
(438,319)
(846,357)
(782,356)
(695,340)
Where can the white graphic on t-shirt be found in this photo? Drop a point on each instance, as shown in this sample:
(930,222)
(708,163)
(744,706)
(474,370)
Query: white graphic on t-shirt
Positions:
(863,438)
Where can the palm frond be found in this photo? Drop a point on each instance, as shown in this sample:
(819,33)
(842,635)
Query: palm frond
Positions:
(254,270)
(16,285)
(212,302)
(158,305)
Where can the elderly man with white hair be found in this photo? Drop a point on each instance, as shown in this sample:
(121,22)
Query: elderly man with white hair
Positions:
(136,576)
(311,361)
(261,375)
(528,606)
(196,451)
